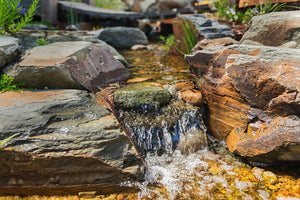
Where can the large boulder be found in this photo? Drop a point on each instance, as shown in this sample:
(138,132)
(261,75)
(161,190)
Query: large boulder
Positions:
(253,97)
(123,37)
(10,49)
(65,143)
(140,95)
(29,39)
(68,65)
(275,29)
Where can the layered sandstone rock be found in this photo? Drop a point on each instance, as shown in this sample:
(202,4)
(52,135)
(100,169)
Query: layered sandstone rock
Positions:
(253,97)
(65,143)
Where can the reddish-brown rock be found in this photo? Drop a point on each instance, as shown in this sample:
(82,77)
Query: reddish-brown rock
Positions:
(203,44)
(192,96)
(253,95)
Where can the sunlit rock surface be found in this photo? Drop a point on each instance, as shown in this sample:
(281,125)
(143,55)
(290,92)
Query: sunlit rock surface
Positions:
(29,39)
(253,97)
(10,49)
(68,65)
(66,143)
(275,29)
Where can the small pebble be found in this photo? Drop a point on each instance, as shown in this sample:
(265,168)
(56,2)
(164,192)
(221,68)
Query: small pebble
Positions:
(269,177)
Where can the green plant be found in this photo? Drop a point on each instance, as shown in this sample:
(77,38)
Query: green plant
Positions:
(6,84)
(268,7)
(189,38)
(42,42)
(110,4)
(2,142)
(168,40)
(13,17)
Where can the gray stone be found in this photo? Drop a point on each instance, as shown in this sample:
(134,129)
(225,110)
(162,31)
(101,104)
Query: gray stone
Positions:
(275,29)
(36,27)
(123,37)
(29,39)
(253,43)
(68,65)
(140,95)
(290,44)
(66,143)
(10,49)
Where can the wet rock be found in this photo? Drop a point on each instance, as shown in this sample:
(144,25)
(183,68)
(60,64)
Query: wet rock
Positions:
(192,141)
(192,96)
(253,97)
(67,143)
(123,37)
(186,85)
(141,96)
(274,29)
(138,47)
(10,49)
(269,177)
(68,65)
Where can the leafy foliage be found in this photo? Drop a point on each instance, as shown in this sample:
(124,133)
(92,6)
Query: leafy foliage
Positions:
(233,14)
(168,40)
(6,84)
(189,38)
(42,42)
(13,17)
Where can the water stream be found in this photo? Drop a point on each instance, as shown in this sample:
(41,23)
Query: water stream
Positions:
(180,164)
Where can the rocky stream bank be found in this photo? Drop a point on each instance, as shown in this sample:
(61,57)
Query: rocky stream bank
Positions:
(71,140)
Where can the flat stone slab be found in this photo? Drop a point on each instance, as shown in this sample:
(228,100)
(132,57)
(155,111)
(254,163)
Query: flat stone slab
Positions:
(66,143)
(68,65)
(10,49)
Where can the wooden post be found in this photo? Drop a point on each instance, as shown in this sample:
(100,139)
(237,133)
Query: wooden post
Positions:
(49,10)
(89,2)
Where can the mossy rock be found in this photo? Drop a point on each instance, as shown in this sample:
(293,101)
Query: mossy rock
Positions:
(141,96)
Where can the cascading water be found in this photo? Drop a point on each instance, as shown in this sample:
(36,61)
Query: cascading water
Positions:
(182,164)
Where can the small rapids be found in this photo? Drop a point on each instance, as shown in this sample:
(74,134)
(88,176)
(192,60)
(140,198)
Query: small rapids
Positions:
(184,162)
(161,131)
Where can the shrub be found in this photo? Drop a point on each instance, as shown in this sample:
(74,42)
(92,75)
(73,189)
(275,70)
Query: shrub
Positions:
(13,17)
(6,84)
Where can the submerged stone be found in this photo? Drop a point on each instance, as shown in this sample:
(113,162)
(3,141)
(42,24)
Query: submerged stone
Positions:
(141,96)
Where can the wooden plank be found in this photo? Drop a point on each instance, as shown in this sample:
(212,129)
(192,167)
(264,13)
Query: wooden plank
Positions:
(257,2)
